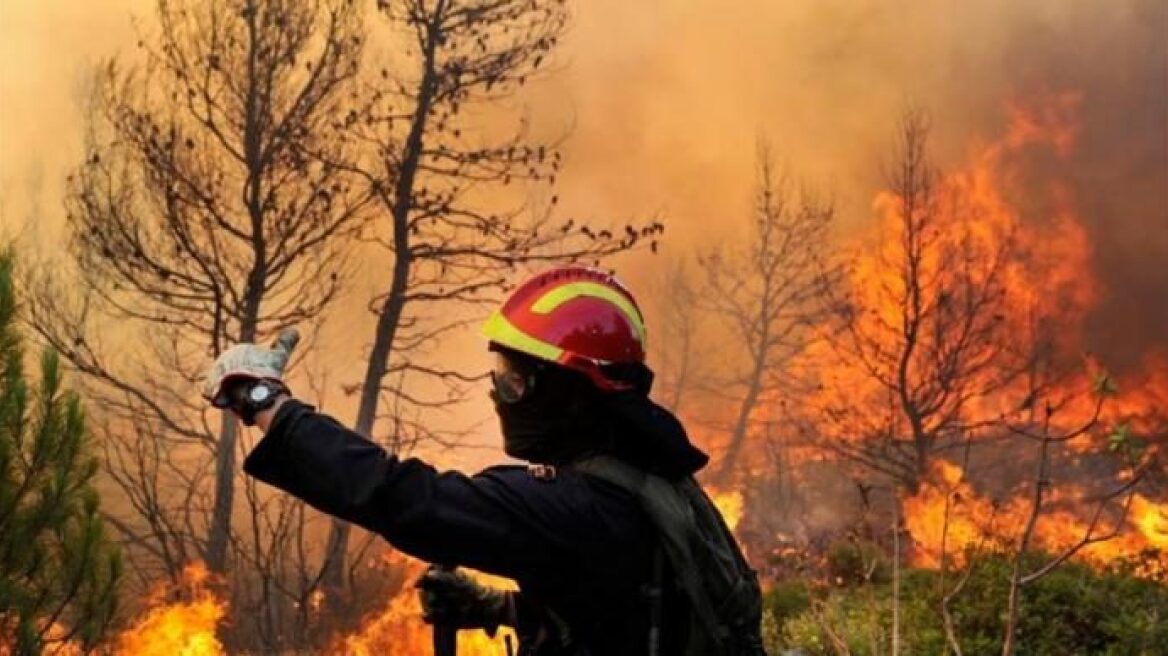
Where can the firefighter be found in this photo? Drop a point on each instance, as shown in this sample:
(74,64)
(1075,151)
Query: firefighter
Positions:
(569,385)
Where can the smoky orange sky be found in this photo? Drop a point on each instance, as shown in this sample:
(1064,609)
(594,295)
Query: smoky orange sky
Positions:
(665,100)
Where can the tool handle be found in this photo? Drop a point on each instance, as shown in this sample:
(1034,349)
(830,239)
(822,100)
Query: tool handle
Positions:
(445,640)
(445,635)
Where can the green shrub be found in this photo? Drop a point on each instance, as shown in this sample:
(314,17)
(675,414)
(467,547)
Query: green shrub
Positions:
(851,562)
(58,571)
(1073,610)
(786,599)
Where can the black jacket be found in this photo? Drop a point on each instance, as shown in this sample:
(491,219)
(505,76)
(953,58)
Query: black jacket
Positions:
(575,544)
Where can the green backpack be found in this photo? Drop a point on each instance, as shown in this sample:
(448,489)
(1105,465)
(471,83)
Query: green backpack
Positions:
(710,570)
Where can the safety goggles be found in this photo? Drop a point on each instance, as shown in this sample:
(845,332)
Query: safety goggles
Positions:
(510,386)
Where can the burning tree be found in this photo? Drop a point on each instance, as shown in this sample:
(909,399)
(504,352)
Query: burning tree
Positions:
(770,294)
(957,331)
(448,244)
(58,572)
(938,317)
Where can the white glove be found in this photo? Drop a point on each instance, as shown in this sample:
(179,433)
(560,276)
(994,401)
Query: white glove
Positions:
(249,361)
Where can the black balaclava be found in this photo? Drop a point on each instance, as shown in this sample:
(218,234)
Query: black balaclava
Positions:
(557,420)
(564,417)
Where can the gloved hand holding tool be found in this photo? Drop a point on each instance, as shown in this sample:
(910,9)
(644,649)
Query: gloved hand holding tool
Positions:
(452,600)
(450,596)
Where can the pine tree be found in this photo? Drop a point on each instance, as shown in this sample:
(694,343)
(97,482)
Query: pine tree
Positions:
(58,572)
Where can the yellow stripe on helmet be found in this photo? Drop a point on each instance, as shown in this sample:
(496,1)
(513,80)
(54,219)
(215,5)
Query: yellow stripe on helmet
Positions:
(500,330)
(564,293)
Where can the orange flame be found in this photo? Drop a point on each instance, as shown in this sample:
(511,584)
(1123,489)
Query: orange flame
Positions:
(937,528)
(182,628)
(399,629)
(1152,521)
(729,503)
(978,237)
(971,519)
(1048,283)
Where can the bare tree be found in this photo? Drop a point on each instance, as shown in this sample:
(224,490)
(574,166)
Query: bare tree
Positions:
(770,293)
(212,208)
(922,327)
(434,158)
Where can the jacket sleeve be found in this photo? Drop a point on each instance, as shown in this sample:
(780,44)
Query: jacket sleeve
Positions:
(446,518)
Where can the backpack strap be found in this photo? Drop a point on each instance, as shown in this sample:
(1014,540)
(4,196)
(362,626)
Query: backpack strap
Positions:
(656,595)
(673,517)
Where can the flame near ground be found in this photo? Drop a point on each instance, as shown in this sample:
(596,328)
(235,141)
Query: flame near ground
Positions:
(184,628)
(945,517)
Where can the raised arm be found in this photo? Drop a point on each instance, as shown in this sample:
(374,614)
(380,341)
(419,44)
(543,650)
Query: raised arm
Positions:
(443,517)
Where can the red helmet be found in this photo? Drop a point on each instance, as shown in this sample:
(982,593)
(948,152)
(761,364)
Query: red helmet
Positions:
(575,316)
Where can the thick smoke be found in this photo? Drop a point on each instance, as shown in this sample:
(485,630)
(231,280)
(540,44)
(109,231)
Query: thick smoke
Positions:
(1116,54)
(665,99)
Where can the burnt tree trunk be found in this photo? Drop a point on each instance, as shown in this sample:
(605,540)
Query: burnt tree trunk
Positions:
(389,317)
(741,424)
(219,537)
